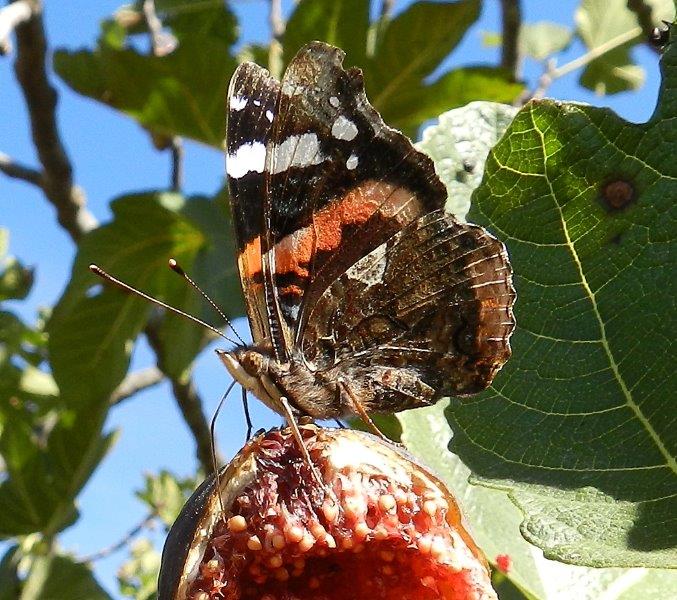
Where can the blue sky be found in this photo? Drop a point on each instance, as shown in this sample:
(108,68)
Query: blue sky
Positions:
(112,155)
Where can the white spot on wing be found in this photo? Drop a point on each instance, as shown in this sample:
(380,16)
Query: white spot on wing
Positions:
(269,115)
(297,151)
(352,161)
(257,102)
(334,101)
(246,159)
(344,129)
(370,269)
(237,102)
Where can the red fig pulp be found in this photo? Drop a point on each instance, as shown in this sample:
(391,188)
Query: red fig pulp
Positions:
(381,527)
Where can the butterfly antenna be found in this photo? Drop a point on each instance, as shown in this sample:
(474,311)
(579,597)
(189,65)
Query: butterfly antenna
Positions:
(174,266)
(128,288)
(212,444)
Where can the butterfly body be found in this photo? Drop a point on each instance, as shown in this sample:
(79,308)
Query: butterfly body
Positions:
(363,295)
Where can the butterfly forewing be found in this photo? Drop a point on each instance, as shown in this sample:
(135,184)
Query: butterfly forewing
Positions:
(252,103)
(336,173)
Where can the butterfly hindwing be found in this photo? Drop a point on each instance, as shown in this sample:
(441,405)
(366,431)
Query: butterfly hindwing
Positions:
(426,314)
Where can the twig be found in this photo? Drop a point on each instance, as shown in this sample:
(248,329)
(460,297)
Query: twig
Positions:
(41,98)
(386,9)
(177,164)
(277,28)
(135,382)
(147,522)
(18,171)
(552,72)
(10,17)
(188,400)
(161,42)
(643,12)
(512,22)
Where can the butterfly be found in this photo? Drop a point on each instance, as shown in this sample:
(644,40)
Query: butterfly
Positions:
(363,295)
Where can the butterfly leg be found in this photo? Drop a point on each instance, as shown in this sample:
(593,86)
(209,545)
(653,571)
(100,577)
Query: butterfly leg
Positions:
(360,411)
(247,416)
(291,421)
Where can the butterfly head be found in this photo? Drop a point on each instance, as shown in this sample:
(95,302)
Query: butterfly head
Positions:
(255,369)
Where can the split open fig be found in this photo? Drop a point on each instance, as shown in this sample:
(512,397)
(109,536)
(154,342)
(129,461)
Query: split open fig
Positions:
(381,526)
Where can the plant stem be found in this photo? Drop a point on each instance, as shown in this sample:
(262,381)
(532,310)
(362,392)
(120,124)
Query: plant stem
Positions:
(552,72)
(511,25)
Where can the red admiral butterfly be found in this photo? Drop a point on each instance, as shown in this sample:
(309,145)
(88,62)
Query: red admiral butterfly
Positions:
(362,293)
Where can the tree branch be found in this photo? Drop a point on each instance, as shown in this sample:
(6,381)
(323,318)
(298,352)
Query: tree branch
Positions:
(188,400)
(135,382)
(10,17)
(161,42)
(147,522)
(643,12)
(177,164)
(386,9)
(512,23)
(553,72)
(18,171)
(41,99)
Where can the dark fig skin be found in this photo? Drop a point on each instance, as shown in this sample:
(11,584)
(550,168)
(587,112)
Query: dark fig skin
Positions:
(181,535)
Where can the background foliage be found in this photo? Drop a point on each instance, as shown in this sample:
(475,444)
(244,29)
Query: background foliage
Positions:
(574,444)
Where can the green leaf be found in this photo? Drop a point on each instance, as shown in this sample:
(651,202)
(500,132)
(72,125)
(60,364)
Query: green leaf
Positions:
(543,39)
(165,494)
(215,271)
(413,45)
(459,143)
(494,521)
(92,329)
(56,577)
(537,40)
(138,576)
(342,23)
(178,94)
(456,88)
(598,22)
(579,426)
(15,279)
(91,336)
(47,461)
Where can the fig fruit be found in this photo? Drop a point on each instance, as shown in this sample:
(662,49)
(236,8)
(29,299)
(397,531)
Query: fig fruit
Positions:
(382,527)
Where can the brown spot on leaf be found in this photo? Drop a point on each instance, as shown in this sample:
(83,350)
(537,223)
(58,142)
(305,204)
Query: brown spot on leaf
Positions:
(617,194)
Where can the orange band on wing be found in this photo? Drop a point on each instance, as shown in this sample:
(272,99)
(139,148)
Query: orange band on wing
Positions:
(250,259)
(293,254)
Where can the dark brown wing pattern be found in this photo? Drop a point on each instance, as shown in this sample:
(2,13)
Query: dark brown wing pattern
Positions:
(425,315)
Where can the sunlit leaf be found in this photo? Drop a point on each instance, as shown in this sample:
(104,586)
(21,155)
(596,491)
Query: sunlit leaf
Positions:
(579,426)
(495,521)
(138,576)
(543,39)
(459,143)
